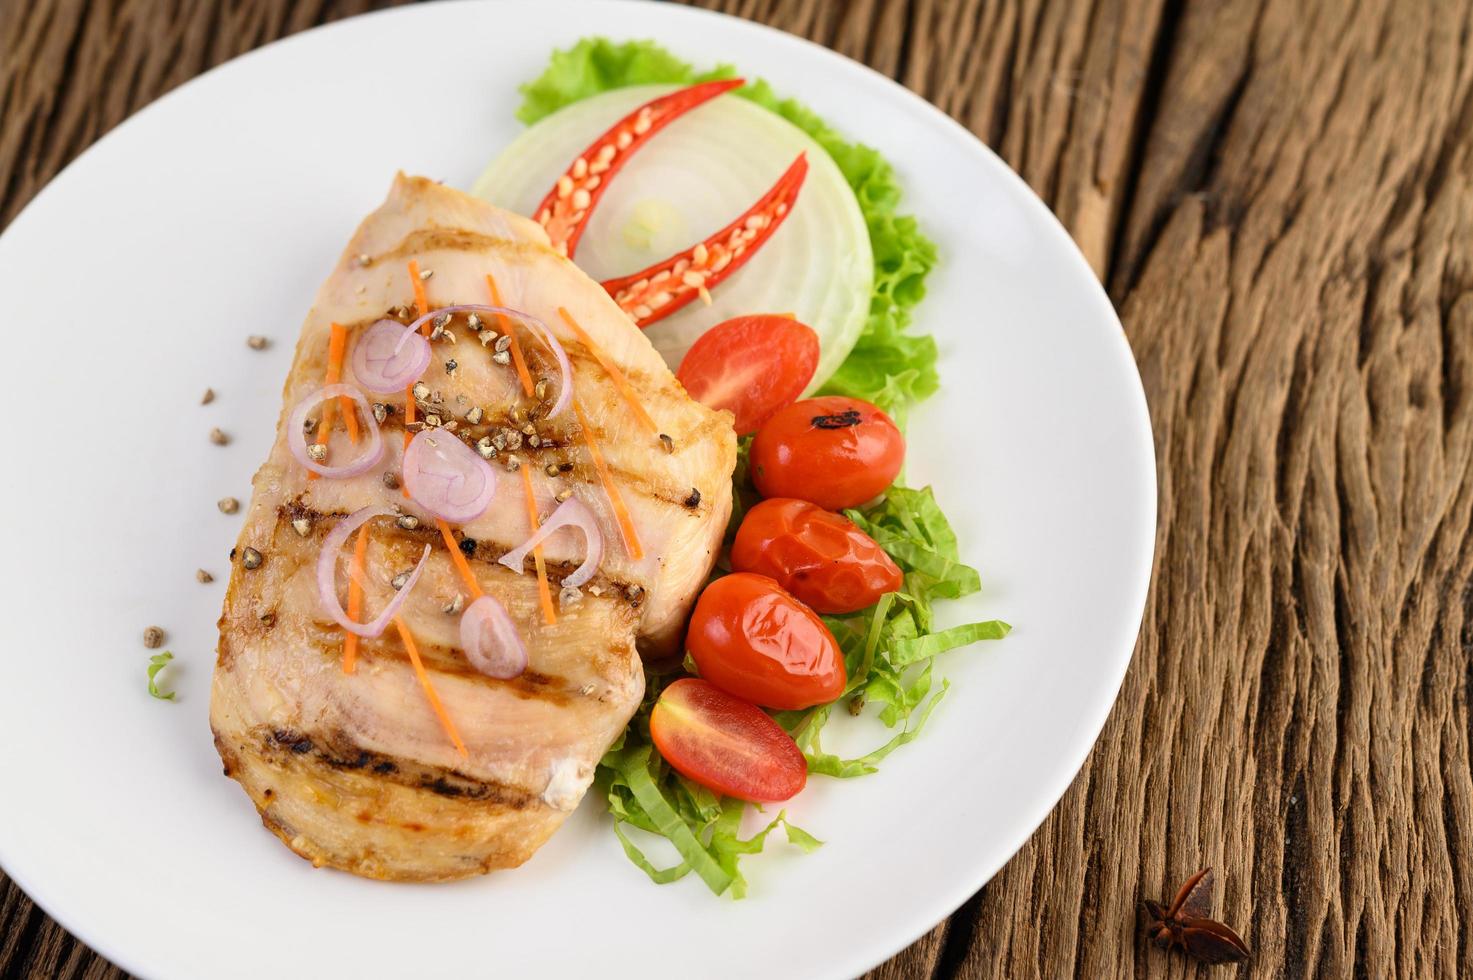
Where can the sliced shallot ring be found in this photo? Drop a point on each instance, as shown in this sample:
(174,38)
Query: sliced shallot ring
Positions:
(490,639)
(446,477)
(570,513)
(296,436)
(565,367)
(327,566)
(380,362)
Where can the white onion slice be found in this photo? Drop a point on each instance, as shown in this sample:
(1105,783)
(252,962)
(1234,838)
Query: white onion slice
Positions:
(447,477)
(490,639)
(389,357)
(296,436)
(570,513)
(702,171)
(327,566)
(565,367)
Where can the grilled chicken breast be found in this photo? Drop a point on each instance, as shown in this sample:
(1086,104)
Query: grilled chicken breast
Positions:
(353,770)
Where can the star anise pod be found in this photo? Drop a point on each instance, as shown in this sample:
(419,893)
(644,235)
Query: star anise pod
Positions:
(1187,924)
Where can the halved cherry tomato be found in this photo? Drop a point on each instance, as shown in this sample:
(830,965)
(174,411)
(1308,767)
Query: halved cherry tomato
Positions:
(752,639)
(726,744)
(817,555)
(751,365)
(834,451)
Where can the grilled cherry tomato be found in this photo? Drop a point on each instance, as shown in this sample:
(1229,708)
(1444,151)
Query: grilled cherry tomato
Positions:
(817,555)
(725,743)
(752,639)
(834,451)
(752,365)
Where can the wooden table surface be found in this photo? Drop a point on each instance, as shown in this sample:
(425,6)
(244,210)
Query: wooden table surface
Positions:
(1279,197)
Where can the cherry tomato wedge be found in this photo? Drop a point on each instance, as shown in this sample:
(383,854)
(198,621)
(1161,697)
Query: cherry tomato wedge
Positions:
(752,639)
(817,555)
(726,744)
(834,451)
(751,365)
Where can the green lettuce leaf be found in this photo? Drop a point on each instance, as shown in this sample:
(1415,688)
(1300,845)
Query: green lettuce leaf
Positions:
(157,663)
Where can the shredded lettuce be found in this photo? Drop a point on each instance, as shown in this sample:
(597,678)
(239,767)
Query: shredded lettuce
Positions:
(889,649)
(157,663)
(888,366)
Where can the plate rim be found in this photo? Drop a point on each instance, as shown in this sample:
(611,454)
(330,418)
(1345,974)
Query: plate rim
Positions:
(944,903)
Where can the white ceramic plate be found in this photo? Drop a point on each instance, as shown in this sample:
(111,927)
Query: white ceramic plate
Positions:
(130,284)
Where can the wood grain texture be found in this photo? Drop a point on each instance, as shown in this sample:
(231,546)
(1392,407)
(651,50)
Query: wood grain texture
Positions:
(1279,195)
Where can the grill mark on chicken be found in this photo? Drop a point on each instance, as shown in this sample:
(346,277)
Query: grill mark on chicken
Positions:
(296,751)
(423,240)
(441,659)
(483,552)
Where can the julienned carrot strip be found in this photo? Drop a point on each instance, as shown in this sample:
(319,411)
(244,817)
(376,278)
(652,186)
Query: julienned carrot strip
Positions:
(337,340)
(626,523)
(549,615)
(457,558)
(355,600)
(337,345)
(620,382)
(516,348)
(421,304)
(424,680)
(421,300)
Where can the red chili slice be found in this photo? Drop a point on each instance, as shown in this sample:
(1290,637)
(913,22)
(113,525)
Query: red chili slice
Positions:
(564,212)
(665,287)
